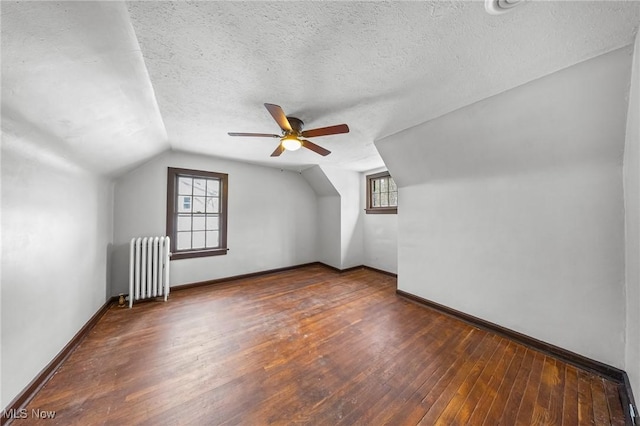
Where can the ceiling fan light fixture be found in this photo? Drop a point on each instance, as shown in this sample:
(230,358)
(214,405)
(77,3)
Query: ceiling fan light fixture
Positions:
(291,143)
(292,132)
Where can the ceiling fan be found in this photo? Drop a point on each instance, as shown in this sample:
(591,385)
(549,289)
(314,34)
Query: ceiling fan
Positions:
(292,133)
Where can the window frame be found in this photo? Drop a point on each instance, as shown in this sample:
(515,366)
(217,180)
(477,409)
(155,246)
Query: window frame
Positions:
(173,174)
(378,210)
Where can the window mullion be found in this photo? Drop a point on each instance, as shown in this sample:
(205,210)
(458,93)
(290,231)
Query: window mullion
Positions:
(192,203)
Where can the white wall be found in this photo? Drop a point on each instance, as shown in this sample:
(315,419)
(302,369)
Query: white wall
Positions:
(512,208)
(632,224)
(340,234)
(56,229)
(537,253)
(328,243)
(347,183)
(329,236)
(347,236)
(380,233)
(271,222)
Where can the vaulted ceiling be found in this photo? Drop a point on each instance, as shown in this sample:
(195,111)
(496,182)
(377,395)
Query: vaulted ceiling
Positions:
(107,85)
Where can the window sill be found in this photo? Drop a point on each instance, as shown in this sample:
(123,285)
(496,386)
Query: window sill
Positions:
(198,253)
(382,210)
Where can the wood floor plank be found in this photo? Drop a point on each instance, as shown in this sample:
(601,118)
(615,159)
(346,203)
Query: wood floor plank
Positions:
(410,360)
(585,401)
(570,399)
(456,379)
(493,402)
(600,408)
(616,415)
(525,411)
(556,401)
(517,390)
(311,346)
(416,407)
(411,387)
(549,380)
(479,400)
(478,374)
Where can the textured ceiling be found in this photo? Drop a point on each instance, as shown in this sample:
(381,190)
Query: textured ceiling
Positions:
(75,89)
(89,74)
(541,127)
(380,67)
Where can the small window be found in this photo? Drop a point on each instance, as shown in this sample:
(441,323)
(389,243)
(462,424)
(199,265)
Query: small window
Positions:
(196,213)
(382,194)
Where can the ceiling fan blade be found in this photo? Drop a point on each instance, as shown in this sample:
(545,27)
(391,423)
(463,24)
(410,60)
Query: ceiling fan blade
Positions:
(325,131)
(279,150)
(278,114)
(260,135)
(315,148)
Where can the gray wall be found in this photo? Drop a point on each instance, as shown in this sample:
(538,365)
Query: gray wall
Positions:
(56,229)
(340,240)
(512,208)
(328,244)
(271,222)
(380,233)
(328,224)
(632,223)
(347,183)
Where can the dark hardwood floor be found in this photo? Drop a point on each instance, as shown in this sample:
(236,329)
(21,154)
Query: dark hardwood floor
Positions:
(312,346)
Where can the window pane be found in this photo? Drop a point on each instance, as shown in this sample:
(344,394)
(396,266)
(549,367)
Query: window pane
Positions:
(393,199)
(384,199)
(184,203)
(198,204)
(184,241)
(212,223)
(213,205)
(198,222)
(184,185)
(392,185)
(199,186)
(213,187)
(383,185)
(375,200)
(213,239)
(184,222)
(375,184)
(198,240)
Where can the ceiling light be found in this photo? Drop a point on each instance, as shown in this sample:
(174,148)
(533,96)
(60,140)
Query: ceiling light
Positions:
(291,143)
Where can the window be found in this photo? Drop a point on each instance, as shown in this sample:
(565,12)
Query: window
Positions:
(382,194)
(196,213)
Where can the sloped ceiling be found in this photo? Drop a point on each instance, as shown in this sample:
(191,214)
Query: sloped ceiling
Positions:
(319,181)
(75,89)
(574,118)
(74,70)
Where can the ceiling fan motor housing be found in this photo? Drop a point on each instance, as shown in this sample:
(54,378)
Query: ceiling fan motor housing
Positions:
(296,125)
